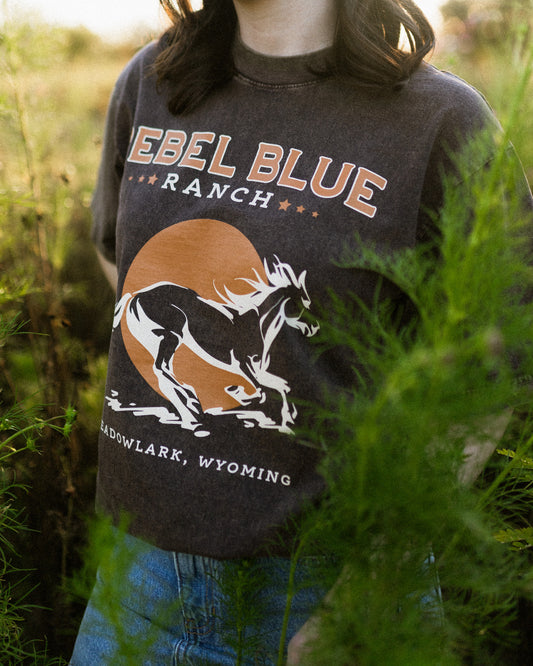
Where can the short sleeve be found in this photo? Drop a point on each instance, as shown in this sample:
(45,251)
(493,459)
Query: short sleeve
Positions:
(106,195)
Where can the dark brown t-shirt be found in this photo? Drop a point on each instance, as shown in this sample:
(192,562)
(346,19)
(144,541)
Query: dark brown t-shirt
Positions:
(228,226)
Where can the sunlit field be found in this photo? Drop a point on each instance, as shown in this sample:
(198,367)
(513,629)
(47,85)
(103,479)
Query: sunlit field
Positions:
(56,311)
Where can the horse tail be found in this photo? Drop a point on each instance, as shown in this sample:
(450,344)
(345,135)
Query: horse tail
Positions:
(119,309)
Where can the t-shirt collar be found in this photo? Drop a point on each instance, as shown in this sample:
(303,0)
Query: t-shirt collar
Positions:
(279,70)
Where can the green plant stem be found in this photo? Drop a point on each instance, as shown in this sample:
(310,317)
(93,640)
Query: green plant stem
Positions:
(32,427)
(295,558)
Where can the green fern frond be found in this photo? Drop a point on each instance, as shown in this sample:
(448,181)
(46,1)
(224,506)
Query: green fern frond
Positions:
(519,538)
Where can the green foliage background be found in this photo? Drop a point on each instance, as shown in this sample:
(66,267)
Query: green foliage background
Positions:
(55,314)
(55,89)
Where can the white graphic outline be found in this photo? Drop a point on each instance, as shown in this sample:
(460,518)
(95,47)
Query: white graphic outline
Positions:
(161,318)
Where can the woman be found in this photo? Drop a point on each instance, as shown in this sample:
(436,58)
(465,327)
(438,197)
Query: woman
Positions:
(244,154)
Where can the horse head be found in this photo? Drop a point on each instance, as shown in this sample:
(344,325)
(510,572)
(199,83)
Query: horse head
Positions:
(296,302)
(294,310)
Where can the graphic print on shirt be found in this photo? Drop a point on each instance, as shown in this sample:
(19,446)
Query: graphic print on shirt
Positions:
(206,271)
(171,160)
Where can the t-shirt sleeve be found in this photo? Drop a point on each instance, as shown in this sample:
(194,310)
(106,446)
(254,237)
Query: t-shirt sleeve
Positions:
(471,153)
(465,117)
(105,200)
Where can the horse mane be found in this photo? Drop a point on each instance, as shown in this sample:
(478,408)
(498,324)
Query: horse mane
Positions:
(280,276)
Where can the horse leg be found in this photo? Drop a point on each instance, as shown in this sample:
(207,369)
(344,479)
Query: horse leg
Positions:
(277,384)
(161,339)
(182,396)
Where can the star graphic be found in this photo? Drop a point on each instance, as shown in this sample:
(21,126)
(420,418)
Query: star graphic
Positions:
(141,179)
(152,179)
(284,205)
(315,214)
(300,209)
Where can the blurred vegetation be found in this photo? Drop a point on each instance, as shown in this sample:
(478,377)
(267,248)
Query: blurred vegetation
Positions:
(56,307)
(56,86)
(486,42)
(395,443)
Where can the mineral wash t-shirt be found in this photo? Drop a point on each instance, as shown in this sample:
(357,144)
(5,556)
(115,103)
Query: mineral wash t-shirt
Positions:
(228,226)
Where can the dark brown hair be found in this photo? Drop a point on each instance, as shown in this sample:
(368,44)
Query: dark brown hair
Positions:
(196,50)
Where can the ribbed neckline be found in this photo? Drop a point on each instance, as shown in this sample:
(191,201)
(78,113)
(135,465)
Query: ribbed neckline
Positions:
(279,70)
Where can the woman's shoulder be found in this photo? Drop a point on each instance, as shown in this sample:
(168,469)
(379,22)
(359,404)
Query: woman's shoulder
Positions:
(444,92)
(141,63)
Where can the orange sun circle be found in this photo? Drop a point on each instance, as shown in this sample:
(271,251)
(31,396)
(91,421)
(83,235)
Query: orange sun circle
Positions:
(207,256)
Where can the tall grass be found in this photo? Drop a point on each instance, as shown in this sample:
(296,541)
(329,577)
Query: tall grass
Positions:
(396,514)
(55,89)
(398,495)
(21,427)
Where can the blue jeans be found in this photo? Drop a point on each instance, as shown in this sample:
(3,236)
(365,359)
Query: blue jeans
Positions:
(158,608)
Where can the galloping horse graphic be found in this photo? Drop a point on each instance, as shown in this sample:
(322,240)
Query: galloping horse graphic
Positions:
(238,338)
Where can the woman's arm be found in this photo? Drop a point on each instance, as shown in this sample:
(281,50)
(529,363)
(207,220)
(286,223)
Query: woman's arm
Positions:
(110,270)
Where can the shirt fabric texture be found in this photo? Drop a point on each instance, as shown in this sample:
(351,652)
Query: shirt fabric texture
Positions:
(228,226)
